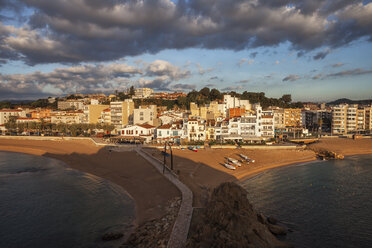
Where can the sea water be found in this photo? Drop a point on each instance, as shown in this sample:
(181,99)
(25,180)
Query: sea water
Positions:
(324,203)
(44,203)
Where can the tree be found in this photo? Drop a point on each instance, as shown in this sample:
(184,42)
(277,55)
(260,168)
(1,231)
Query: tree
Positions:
(205,91)
(287,98)
(215,94)
(131,91)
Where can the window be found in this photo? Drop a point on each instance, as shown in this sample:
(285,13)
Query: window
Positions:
(141,118)
(159,133)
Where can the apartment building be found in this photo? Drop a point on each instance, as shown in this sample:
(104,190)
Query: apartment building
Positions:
(368,118)
(41,113)
(169,132)
(92,113)
(344,118)
(71,104)
(144,115)
(145,132)
(143,92)
(122,113)
(194,130)
(235,102)
(105,117)
(7,114)
(292,117)
(67,117)
(208,112)
(279,118)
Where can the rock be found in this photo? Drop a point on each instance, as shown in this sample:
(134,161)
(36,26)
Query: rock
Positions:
(230,221)
(261,218)
(277,230)
(272,220)
(111,236)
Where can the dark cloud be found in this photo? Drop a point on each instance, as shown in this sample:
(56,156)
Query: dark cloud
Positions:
(321,55)
(84,30)
(291,78)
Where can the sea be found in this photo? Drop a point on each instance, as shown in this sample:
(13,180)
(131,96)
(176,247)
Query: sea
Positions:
(323,203)
(44,203)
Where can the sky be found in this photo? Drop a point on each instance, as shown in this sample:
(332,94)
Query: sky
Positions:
(316,50)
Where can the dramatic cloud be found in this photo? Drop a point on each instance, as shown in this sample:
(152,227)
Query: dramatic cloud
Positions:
(82,31)
(158,75)
(291,78)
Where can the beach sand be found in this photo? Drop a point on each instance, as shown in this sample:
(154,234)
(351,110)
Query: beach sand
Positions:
(150,190)
(203,170)
(344,146)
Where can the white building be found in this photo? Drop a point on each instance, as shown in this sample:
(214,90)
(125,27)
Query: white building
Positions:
(67,117)
(144,131)
(7,114)
(194,130)
(344,118)
(234,102)
(169,132)
(122,113)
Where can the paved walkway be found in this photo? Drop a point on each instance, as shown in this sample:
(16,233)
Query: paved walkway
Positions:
(181,226)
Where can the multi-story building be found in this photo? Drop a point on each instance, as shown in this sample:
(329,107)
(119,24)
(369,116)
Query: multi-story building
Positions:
(92,113)
(194,130)
(144,115)
(235,102)
(292,117)
(360,119)
(208,112)
(105,117)
(279,118)
(368,118)
(344,118)
(7,114)
(41,113)
(169,132)
(67,117)
(71,104)
(122,113)
(143,92)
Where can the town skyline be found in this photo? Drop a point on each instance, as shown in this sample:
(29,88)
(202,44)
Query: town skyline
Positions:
(317,51)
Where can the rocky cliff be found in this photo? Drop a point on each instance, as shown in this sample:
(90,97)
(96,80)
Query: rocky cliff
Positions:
(229,220)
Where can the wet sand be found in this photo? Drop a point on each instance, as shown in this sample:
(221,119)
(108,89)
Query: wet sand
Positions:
(149,189)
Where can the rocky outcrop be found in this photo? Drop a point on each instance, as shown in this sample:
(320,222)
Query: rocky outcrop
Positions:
(155,233)
(229,220)
(327,155)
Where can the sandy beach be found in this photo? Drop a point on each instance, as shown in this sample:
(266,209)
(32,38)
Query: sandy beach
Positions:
(150,190)
(344,146)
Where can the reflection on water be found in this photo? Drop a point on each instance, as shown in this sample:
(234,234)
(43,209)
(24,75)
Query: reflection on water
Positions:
(326,203)
(45,204)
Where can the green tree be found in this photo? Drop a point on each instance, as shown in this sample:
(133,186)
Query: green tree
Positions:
(131,91)
(215,94)
(205,91)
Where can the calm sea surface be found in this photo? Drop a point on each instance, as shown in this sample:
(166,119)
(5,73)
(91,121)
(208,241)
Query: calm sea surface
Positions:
(325,203)
(43,203)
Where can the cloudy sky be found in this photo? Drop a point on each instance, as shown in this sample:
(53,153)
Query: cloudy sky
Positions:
(313,49)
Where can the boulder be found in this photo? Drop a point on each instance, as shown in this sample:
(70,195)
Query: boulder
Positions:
(277,230)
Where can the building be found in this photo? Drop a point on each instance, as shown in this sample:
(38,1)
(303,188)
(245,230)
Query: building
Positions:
(122,113)
(344,119)
(105,117)
(145,132)
(93,113)
(208,112)
(41,113)
(279,118)
(235,112)
(194,130)
(169,133)
(7,114)
(143,92)
(67,117)
(144,115)
(235,102)
(26,119)
(292,117)
(71,105)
